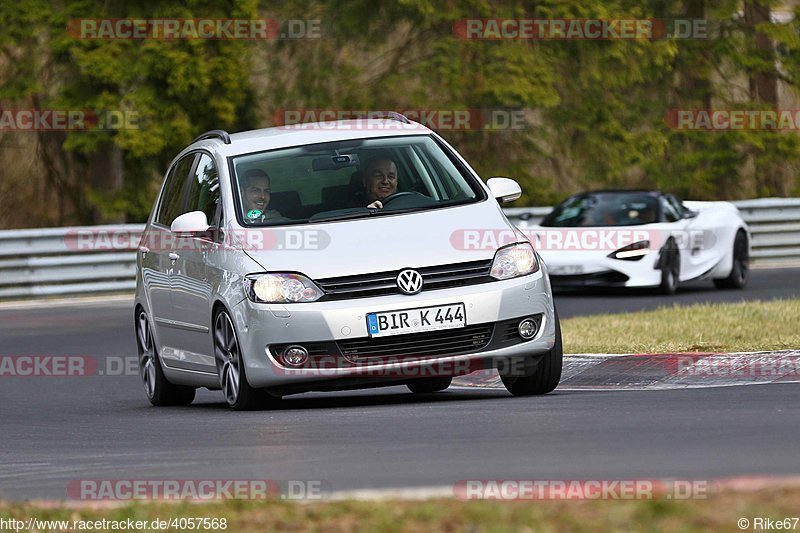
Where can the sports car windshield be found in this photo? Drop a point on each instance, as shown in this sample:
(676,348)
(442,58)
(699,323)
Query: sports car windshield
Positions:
(606,209)
(348,179)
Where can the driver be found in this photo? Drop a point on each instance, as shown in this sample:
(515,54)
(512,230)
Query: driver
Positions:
(380,180)
(257,196)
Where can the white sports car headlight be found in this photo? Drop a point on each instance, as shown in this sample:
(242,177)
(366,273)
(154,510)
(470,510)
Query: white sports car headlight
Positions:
(281,288)
(632,252)
(513,261)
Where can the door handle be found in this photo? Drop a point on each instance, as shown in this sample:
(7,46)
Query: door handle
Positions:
(173,256)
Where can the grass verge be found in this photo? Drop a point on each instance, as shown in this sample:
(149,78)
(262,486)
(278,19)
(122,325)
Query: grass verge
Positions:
(723,327)
(720,512)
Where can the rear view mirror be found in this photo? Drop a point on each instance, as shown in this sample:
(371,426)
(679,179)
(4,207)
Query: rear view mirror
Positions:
(335,162)
(504,189)
(192,222)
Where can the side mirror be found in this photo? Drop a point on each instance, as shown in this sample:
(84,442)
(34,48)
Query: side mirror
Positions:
(690,214)
(192,222)
(504,189)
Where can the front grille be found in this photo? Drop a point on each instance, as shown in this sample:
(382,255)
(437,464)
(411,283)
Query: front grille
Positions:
(384,283)
(440,343)
(611,277)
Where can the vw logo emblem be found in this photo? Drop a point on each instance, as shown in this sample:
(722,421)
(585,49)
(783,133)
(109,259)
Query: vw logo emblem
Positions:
(409,281)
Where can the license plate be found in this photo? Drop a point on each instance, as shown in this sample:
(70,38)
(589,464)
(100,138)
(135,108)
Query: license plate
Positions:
(566,270)
(416,320)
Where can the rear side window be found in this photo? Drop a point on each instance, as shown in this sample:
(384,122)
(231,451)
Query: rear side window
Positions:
(204,188)
(173,199)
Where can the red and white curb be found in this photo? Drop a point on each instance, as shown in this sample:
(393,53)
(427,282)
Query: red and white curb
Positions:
(663,371)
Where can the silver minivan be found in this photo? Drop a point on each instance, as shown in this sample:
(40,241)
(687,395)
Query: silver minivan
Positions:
(334,256)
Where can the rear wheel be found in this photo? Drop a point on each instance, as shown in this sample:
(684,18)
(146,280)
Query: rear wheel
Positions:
(741,265)
(239,395)
(428,385)
(546,376)
(158,390)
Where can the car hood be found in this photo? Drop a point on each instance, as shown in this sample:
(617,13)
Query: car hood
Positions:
(385,243)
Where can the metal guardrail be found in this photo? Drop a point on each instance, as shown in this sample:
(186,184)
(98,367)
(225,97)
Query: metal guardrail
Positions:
(101,259)
(68,261)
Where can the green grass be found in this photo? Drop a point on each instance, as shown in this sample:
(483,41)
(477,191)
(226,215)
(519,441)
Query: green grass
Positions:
(717,513)
(725,327)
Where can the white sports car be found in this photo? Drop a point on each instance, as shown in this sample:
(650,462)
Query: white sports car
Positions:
(641,238)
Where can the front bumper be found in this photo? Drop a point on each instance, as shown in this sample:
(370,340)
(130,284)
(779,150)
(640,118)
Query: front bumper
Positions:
(575,269)
(261,326)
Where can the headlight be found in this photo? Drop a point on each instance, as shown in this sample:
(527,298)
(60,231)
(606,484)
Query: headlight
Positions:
(281,288)
(632,252)
(515,260)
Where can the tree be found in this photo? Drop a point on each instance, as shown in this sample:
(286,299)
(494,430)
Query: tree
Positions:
(171,89)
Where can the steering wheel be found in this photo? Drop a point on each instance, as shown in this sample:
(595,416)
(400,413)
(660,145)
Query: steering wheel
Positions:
(392,197)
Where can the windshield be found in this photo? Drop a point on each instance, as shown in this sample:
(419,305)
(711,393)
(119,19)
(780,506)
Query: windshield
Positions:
(346,180)
(604,209)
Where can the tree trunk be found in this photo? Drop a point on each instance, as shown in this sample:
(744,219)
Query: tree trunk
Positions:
(771,176)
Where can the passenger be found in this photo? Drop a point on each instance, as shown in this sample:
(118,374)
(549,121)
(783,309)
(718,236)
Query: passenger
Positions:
(256,194)
(380,180)
(647,215)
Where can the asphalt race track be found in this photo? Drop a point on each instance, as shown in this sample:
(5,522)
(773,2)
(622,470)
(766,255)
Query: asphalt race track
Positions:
(57,429)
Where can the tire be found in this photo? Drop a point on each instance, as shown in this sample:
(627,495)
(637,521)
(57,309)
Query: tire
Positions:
(428,385)
(239,395)
(546,376)
(159,391)
(741,265)
(670,269)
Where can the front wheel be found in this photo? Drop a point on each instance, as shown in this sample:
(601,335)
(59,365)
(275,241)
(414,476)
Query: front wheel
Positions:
(547,374)
(158,390)
(741,265)
(239,395)
(670,269)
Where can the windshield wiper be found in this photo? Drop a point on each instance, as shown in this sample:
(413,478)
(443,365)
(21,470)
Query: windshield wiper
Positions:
(371,212)
(340,216)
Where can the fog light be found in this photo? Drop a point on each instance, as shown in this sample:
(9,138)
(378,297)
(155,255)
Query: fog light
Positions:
(294,355)
(527,329)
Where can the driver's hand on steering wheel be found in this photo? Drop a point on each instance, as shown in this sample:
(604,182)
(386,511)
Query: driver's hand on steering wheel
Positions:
(375,205)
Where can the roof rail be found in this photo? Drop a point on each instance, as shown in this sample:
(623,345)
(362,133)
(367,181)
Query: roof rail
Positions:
(392,115)
(213,134)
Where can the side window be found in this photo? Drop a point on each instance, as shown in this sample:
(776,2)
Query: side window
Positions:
(677,204)
(173,198)
(204,189)
(670,215)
